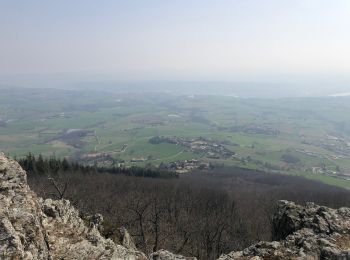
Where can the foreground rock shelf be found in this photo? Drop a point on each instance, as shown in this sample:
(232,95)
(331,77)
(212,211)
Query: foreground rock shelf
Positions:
(34,228)
(310,232)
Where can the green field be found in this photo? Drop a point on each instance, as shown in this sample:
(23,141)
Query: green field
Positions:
(314,133)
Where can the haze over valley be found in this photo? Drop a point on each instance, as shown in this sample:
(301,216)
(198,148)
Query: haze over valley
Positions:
(168,130)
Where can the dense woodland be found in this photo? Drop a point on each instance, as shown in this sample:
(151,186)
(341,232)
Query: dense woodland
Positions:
(202,214)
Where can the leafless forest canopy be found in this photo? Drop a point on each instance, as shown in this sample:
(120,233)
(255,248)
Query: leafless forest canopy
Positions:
(202,214)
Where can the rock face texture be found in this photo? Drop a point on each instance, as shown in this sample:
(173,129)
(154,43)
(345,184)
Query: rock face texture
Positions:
(311,232)
(21,231)
(166,255)
(33,228)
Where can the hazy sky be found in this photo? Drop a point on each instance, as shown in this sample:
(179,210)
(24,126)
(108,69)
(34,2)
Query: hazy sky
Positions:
(182,39)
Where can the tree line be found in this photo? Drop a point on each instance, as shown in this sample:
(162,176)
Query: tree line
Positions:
(38,165)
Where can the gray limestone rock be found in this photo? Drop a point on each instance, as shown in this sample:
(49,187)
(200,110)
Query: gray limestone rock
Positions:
(33,228)
(310,232)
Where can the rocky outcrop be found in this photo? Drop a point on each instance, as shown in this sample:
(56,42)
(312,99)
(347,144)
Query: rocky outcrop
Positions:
(33,228)
(125,239)
(21,232)
(310,232)
(69,238)
(166,255)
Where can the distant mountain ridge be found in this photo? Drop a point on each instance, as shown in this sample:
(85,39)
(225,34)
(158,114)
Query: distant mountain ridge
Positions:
(242,89)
